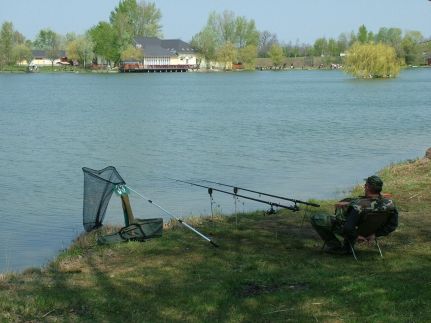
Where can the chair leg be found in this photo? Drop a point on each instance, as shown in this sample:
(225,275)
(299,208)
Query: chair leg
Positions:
(324,244)
(378,247)
(353,251)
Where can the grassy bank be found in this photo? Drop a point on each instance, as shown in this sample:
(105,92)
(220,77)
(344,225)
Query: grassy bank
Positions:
(268,268)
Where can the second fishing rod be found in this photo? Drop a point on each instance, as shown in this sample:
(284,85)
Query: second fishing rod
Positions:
(236,188)
(211,189)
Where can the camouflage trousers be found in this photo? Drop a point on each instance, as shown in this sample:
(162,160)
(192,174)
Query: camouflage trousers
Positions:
(325,225)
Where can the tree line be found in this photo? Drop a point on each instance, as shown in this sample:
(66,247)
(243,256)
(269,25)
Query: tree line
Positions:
(225,38)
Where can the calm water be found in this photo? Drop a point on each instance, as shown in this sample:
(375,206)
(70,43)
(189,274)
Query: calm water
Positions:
(301,134)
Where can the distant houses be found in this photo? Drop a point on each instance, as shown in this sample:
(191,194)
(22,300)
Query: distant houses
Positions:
(162,55)
(41,58)
(159,55)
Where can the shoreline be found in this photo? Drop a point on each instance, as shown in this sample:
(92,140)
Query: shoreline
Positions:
(109,229)
(268,267)
(47,70)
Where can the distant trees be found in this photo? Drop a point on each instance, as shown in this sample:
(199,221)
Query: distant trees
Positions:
(80,49)
(266,40)
(105,43)
(6,44)
(411,47)
(128,20)
(13,46)
(224,36)
(49,41)
(132,53)
(276,55)
(247,55)
(372,61)
(205,43)
(132,19)
(226,54)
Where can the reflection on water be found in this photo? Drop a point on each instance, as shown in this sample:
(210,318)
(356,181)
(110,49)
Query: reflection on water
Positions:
(302,134)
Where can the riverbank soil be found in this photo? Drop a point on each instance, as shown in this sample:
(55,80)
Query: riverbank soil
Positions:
(267,268)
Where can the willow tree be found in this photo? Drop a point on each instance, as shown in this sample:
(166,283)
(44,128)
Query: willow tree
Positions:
(372,61)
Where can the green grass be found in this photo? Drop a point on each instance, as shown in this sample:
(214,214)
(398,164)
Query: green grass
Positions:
(269,268)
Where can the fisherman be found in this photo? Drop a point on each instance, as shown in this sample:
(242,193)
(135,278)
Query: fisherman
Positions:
(348,215)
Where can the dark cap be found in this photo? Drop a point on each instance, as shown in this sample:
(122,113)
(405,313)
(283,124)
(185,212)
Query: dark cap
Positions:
(375,182)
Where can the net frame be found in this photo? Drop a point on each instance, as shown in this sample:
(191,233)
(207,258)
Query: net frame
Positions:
(98,188)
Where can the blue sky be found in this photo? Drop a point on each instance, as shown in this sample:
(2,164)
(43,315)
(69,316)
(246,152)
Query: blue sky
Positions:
(303,20)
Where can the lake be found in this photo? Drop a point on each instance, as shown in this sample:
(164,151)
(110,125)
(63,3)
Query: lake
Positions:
(301,134)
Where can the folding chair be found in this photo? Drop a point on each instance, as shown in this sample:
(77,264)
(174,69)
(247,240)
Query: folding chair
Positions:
(369,224)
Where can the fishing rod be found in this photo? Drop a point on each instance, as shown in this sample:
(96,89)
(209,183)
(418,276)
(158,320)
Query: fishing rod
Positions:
(236,188)
(173,216)
(272,204)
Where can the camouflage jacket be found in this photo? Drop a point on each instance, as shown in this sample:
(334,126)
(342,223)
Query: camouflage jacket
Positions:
(349,213)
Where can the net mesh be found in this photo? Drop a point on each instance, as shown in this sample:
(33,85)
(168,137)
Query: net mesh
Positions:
(98,188)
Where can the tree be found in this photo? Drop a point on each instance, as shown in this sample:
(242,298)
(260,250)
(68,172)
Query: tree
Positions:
(49,41)
(247,56)
(412,48)
(245,32)
(137,19)
(362,34)
(266,39)
(224,26)
(105,42)
(276,55)
(226,54)
(392,37)
(80,49)
(22,52)
(222,33)
(333,49)
(131,53)
(205,44)
(372,61)
(320,47)
(6,44)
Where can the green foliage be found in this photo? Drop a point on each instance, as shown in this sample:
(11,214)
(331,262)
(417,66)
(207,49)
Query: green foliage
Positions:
(22,52)
(411,46)
(362,34)
(222,33)
(80,48)
(391,37)
(132,53)
(6,44)
(226,54)
(266,39)
(131,19)
(49,41)
(276,55)
(320,46)
(247,56)
(372,61)
(128,20)
(205,43)
(105,41)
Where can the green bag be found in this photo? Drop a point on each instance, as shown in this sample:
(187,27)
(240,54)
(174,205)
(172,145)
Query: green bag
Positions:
(139,230)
